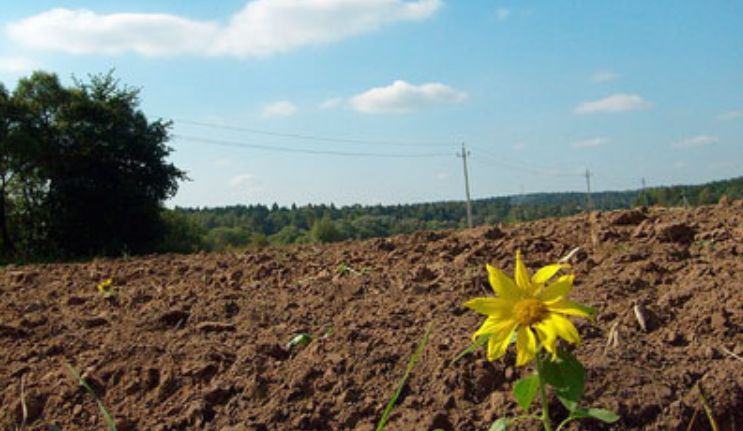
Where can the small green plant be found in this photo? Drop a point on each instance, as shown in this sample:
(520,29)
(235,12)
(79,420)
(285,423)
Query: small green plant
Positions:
(401,384)
(104,412)
(299,341)
(531,313)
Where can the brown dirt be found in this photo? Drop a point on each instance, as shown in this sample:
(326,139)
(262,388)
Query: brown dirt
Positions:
(198,342)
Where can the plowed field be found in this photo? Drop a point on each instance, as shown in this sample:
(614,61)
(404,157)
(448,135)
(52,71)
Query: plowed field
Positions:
(199,341)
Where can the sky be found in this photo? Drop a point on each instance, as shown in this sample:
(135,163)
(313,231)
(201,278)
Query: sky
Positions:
(370,101)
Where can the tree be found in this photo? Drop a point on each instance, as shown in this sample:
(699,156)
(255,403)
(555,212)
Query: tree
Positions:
(94,173)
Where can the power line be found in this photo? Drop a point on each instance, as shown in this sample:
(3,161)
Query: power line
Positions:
(494,159)
(308,136)
(306,151)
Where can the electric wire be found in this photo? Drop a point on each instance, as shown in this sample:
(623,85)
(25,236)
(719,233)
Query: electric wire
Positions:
(309,137)
(305,150)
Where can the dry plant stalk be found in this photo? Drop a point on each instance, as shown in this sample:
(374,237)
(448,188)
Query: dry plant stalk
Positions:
(640,316)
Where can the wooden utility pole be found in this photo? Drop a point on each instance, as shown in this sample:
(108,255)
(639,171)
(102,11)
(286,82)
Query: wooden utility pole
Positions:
(464,155)
(589,203)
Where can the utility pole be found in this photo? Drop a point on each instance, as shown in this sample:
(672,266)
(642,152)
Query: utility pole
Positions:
(464,155)
(644,194)
(589,203)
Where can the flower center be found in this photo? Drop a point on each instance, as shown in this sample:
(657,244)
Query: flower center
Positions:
(529,311)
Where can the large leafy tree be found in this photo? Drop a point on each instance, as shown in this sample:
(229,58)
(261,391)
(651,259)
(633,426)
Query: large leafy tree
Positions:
(94,167)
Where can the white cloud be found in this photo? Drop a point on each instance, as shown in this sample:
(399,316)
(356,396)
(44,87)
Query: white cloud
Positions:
(696,141)
(502,13)
(331,103)
(731,115)
(604,76)
(519,146)
(614,103)
(16,64)
(401,97)
(281,108)
(590,143)
(261,28)
(246,183)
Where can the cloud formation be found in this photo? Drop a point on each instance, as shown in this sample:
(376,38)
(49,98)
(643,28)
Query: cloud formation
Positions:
(331,103)
(502,13)
(604,76)
(731,115)
(261,28)
(590,143)
(614,103)
(246,183)
(16,64)
(401,97)
(282,108)
(697,141)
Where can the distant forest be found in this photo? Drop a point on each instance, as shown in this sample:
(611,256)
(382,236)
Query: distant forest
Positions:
(218,228)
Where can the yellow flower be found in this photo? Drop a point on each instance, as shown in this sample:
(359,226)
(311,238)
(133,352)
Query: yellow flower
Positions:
(530,308)
(104,287)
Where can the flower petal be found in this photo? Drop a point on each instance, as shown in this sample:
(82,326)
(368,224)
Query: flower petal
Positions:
(558,289)
(547,337)
(499,342)
(563,327)
(521,275)
(493,326)
(566,306)
(502,285)
(526,346)
(547,272)
(490,306)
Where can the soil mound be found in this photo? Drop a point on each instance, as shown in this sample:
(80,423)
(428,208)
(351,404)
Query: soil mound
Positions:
(200,341)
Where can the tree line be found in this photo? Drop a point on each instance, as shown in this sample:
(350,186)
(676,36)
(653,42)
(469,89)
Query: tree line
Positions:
(259,225)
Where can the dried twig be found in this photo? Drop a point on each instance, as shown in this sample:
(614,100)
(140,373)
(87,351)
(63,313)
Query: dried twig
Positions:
(24,407)
(612,340)
(640,316)
(723,349)
(568,256)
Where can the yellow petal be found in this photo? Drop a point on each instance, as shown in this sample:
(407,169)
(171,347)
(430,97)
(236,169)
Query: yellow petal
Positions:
(566,306)
(563,327)
(547,338)
(502,285)
(493,325)
(489,306)
(521,274)
(526,346)
(498,343)
(558,289)
(547,272)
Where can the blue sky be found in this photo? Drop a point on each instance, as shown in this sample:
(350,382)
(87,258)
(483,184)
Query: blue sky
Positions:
(538,91)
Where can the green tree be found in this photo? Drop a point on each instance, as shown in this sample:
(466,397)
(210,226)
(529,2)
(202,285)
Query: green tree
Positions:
(324,230)
(94,174)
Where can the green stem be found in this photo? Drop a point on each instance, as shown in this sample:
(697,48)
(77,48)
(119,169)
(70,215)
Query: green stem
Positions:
(565,422)
(543,395)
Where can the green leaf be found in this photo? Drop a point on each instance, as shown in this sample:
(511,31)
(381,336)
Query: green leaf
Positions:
(481,340)
(499,425)
(603,415)
(300,340)
(525,390)
(401,384)
(568,378)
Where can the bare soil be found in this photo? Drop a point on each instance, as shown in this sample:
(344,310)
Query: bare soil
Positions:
(199,341)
